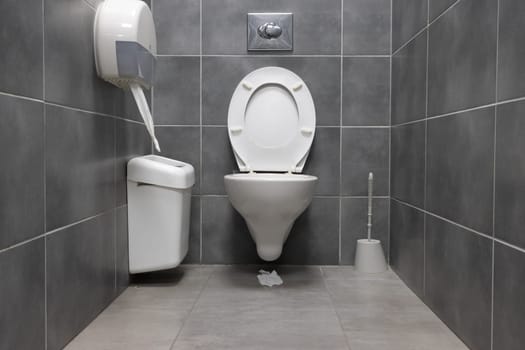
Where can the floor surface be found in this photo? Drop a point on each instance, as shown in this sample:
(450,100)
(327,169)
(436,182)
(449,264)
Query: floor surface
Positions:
(224,307)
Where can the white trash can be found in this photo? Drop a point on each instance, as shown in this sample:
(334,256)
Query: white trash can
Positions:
(159,201)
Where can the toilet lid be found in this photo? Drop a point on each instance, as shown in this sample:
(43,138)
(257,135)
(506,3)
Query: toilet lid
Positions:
(271,121)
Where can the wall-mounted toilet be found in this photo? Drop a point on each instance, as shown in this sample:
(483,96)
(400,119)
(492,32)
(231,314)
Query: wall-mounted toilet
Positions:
(271,125)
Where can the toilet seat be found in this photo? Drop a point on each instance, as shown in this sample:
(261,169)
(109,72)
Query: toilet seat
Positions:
(271,121)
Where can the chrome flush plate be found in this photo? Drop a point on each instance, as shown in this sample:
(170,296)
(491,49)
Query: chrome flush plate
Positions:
(270,31)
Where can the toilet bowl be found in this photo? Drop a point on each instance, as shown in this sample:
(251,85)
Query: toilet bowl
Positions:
(271,126)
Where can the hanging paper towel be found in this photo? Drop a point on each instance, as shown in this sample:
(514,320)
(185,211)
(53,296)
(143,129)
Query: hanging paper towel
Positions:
(143,107)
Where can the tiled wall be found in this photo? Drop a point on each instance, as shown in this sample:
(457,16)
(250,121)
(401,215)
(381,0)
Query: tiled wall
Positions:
(458,166)
(64,139)
(342,51)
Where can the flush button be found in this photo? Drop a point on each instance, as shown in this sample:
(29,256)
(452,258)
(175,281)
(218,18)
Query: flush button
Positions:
(270,32)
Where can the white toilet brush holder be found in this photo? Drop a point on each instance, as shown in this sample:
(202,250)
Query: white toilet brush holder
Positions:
(369,255)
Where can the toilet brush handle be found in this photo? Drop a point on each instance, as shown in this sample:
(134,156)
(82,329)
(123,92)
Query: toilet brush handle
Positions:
(370,190)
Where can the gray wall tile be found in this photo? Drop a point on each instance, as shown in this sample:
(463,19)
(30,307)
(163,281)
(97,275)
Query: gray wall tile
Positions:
(177,24)
(366,91)
(80,267)
(462,57)
(409,70)
(509,288)
(408,163)
(366,27)
(317,25)
(459,280)
(194,249)
(365,150)
(22,176)
(324,161)
(21,62)
(183,144)
(177,91)
(510,174)
(217,159)
(354,218)
(80,169)
(460,163)
(221,75)
(121,249)
(438,6)
(511,71)
(407,244)
(22,302)
(408,18)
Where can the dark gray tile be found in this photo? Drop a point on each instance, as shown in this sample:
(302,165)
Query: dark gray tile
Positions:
(22,176)
(366,27)
(366,91)
(217,159)
(438,6)
(317,25)
(408,17)
(510,174)
(80,277)
(408,163)
(132,141)
(407,244)
(509,289)
(459,280)
(324,161)
(21,62)
(354,218)
(194,249)
(462,57)
(365,150)
(177,103)
(121,249)
(228,242)
(221,75)
(460,163)
(178,26)
(80,167)
(409,72)
(511,54)
(314,239)
(183,144)
(71,79)
(22,301)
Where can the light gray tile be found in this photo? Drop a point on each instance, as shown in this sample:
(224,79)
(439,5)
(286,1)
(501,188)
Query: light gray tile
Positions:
(221,75)
(22,302)
(366,27)
(460,163)
(317,25)
(365,150)
(510,172)
(458,274)
(178,26)
(409,71)
(354,220)
(176,93)
(366,91)
(21,62)
(182,144)
(80,267)
(462,57)
(80,165)
(407,244)
(408,18)
(217,159)
(22,176)
(408,163)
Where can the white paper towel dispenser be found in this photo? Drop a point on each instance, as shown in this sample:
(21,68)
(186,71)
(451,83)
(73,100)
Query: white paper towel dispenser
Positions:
(125,49)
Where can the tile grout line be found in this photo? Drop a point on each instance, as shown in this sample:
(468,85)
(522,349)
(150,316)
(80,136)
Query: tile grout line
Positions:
(341,62)
(425,150)
(390,135)
(200,131)
(44,132)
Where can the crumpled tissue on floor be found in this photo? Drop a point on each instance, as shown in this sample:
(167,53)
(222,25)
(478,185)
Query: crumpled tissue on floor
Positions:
(269,279)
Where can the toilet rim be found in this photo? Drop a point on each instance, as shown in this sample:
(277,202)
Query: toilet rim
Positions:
(292,155)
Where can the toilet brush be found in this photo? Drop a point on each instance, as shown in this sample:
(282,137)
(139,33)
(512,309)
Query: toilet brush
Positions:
(369,256)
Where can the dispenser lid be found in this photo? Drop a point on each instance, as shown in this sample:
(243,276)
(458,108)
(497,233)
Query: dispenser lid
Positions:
(161,171)
(271,121)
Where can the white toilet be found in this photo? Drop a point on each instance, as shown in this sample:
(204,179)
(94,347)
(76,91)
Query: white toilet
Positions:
(271,124)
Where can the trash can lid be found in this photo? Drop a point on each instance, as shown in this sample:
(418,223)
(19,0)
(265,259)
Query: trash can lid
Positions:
(161,171)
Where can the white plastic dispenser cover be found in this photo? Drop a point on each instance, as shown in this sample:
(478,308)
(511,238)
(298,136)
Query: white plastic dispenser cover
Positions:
(271,121)
(125,49)
(161,171)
